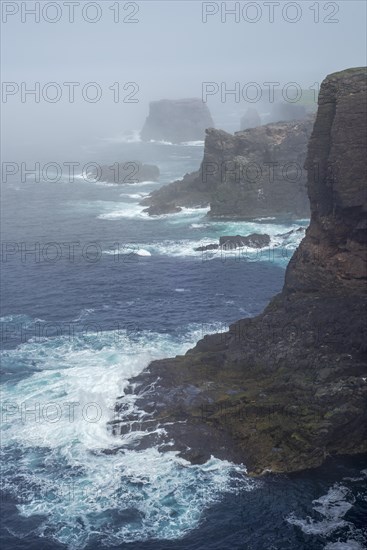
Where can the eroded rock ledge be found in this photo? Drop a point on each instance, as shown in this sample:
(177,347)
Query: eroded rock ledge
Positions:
(285,389)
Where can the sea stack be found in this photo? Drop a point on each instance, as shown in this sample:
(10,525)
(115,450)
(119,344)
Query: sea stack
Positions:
(177,120)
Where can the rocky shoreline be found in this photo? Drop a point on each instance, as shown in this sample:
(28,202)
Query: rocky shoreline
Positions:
(284,390)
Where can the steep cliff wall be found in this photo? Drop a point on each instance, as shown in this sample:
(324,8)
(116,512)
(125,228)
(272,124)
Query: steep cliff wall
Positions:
(258,172)
(333,252)
(255,173)
(287,388)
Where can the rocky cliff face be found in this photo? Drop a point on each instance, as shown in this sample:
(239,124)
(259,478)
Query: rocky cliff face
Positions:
(334,251)
(287,388)
(255,173)
(258,172)
(177,120)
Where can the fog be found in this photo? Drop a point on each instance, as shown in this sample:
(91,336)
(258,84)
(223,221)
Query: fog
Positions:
(168,53)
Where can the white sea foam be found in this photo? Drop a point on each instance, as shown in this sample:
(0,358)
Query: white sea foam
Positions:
(199,225)
(20,318)
(124,210)
(161,142)
(133,137)
(128,210)
(137,196)
(143,252)
(347,545)
(279,251)
(197,143)
(83,314)
(63,473)
(333,506)
(104,183)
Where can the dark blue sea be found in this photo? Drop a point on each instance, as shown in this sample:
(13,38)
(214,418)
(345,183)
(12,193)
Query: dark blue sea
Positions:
(92,291)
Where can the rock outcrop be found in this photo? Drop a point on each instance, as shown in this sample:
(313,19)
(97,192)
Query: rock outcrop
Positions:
(285,389)
(255,240)
(258,172)
(231,242)
(132,171)
(188,192)
(177,120)
(251,174)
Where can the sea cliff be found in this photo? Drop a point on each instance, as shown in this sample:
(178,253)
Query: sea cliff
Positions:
(284,390)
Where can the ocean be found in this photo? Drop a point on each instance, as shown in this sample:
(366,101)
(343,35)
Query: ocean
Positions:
(92,291)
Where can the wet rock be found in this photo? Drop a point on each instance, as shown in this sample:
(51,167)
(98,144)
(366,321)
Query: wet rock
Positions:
(156,210)
(228,242)
(255,240)
(206,247)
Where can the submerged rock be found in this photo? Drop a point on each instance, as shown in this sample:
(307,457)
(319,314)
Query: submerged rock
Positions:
(285,389)
(177,120)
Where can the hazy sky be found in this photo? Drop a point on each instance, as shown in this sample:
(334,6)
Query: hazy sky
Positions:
(169,52)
